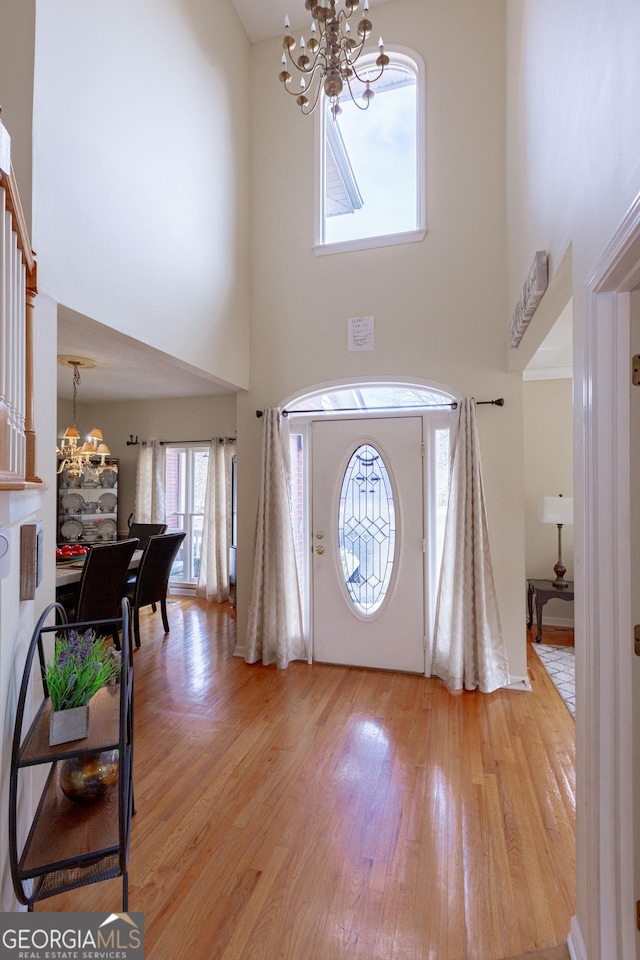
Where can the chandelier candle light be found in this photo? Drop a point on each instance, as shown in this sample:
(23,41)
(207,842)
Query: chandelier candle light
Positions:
(74,456)
(328,61)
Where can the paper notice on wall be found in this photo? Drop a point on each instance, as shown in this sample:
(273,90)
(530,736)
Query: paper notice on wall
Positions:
(361,333)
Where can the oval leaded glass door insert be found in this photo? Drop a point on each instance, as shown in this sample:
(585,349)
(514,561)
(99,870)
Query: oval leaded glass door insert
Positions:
(367,529)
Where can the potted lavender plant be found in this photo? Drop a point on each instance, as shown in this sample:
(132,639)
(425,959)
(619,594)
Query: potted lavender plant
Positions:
(81,665)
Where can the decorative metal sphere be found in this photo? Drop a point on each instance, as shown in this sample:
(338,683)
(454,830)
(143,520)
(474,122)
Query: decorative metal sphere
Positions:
(333,85)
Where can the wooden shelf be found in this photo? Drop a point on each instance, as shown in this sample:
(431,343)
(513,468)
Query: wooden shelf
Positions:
(95,516)
(65,833)
(104,730)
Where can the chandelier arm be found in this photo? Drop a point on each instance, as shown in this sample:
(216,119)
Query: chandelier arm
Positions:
(307,89)
(319,61)
(352,54)
(343,16)
(353,99)
(368,79)
(296,93)
(305,113)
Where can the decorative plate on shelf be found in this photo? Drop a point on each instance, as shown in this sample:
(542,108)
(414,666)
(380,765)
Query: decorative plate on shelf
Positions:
(108,478)
(71,529)
(72,503)
(107,502)
(107,529)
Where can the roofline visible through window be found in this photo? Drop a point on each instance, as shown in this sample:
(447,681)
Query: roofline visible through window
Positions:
(412,60)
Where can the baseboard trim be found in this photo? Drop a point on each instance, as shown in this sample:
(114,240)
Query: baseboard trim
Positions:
(182,590)
(575,943)
(515,683)
(557,622)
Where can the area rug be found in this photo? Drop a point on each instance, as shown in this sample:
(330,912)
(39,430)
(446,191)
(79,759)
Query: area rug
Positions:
(560,664)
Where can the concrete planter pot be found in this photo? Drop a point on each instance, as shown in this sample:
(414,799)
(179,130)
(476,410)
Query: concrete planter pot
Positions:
(68,725)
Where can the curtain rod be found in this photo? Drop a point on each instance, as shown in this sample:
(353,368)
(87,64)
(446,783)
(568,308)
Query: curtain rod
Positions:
(423,406)
(163,443)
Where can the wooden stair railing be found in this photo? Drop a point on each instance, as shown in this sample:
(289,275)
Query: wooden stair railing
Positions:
(18,290)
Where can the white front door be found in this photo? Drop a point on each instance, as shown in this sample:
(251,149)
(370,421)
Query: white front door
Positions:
(367,542)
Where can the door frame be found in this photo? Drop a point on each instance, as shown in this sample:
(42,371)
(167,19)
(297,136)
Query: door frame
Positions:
(605,842)
(301,424)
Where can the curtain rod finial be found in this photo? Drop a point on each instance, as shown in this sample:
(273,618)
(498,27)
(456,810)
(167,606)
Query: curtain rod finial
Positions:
(259,413)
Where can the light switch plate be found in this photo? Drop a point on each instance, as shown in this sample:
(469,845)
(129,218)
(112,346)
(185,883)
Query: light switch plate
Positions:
(5,552)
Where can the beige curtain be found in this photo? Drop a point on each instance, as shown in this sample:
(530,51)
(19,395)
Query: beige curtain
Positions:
(275,631)
(469,649)
(213,572)
(150,483)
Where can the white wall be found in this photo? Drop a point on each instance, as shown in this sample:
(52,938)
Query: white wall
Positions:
(439,305)
(17,42)
(574,170)
(195,418)
(548,471)
(140,172)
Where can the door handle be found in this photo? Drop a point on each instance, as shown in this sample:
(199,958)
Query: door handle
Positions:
(320,550)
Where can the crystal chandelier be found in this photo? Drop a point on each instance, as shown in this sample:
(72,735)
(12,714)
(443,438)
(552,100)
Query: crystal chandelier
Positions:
(327,60)
(77,458)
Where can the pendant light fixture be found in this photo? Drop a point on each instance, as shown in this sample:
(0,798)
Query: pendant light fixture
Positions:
(327,59)
(76,457)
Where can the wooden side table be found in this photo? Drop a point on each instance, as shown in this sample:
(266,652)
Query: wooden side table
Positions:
(544,590)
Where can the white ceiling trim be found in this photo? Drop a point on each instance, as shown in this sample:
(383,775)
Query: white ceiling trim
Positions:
(548,373)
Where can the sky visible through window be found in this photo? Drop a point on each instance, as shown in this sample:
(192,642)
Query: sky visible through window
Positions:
(381,143)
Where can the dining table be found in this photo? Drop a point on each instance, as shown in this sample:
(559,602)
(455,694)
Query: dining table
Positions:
(69,571)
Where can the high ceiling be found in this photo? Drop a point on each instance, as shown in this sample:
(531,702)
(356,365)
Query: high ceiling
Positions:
(262,19)
(126,369)
(130,370)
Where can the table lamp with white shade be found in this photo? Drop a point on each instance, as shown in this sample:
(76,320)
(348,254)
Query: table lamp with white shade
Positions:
(558,510)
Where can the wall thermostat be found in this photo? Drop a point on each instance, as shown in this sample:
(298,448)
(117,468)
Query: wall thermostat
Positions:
(5,552)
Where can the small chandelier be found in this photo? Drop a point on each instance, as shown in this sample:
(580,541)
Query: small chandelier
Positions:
(333,56)
(77,458)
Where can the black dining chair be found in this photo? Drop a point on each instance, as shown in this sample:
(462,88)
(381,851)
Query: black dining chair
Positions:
(152,581)
(145,530)
(102,584)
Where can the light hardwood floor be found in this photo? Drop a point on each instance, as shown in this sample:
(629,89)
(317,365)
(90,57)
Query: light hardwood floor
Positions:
(328,813)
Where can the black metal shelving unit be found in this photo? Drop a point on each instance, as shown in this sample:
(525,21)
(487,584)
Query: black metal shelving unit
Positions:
(69,845)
